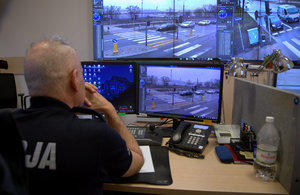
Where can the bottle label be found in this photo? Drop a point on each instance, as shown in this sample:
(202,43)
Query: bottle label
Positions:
(266,156)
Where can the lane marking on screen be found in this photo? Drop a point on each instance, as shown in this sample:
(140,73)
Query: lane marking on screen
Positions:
(207,113)
(187,50)
(292,48)
(158,42)
(167,42)
(197,106)
(199,54)
(296,41)
(126,34)
(152,40)
(287,26)
(176,47)
(132,36)
(148,37)
(199,110)
(141,37)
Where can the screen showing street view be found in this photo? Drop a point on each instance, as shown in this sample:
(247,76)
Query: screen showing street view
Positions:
(195,29)
(116,82)
(192,92)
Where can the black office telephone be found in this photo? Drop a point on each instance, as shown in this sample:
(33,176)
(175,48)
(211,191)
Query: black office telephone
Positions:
(190,137)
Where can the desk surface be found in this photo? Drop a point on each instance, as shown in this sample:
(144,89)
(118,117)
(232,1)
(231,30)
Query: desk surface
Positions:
(206,176)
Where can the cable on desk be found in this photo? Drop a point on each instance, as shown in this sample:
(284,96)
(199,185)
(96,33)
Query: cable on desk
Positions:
(167,121)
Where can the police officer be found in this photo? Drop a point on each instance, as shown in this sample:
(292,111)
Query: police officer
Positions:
(65,154)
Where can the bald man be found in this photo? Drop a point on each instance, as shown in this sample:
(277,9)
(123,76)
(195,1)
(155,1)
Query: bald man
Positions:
(65,154)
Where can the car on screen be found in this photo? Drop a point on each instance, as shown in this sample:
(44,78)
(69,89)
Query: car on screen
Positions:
(186,93)
(166,27)
(204,22)
(210,91)
(275,22)
(188,24)
(200,92)
(288,13)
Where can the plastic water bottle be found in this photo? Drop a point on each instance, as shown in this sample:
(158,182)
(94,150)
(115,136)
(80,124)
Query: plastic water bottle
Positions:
(266,153)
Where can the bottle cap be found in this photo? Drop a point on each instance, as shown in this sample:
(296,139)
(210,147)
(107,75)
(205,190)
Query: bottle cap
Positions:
(270,119)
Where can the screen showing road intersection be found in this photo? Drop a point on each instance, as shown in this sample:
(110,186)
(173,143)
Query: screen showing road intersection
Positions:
(190,92)
(195,29)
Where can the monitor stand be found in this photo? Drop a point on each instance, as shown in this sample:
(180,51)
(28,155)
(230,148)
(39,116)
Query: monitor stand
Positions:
(168,131)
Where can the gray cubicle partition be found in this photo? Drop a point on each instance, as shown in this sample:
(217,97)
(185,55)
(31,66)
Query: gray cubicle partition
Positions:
(252,102)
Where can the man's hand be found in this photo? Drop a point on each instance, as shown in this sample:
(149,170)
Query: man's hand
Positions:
(95,100)
(90,89)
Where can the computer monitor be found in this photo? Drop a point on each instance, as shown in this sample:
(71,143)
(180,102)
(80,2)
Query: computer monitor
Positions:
(191,91)
(289,80)
(116,81)
(194,29)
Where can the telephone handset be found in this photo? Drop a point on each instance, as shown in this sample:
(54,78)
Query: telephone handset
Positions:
(176,137)
(190,137)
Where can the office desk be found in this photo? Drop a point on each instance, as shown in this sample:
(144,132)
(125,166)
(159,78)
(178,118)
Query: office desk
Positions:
(205,176)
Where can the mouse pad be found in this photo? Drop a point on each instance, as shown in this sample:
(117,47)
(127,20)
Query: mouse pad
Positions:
(162,174)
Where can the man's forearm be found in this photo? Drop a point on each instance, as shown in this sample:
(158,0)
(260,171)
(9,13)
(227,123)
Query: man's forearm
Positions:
(114,121)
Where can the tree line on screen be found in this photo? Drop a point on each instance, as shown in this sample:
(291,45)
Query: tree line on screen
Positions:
(165,81)
(113,12)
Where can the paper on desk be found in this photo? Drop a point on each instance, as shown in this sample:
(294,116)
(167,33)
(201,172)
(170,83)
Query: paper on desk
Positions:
(148,164)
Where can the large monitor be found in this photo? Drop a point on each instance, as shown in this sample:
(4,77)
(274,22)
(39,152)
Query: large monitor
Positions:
(191,91)
(116,81)
(195,29)
(289,80)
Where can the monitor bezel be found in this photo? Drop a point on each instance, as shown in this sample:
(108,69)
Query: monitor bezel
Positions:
(121,62)
(216,64)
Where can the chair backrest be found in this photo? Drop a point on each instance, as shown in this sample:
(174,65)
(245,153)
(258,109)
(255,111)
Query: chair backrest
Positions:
(8,91)
(12,157)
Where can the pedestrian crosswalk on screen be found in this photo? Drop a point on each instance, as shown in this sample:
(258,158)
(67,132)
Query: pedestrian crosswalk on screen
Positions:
(184,91)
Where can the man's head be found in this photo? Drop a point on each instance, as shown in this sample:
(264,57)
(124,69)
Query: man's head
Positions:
(52,68)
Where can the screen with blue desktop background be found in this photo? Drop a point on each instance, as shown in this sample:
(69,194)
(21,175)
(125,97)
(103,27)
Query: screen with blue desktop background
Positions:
(182,91)
(195,29)
(289,80)
(116,81)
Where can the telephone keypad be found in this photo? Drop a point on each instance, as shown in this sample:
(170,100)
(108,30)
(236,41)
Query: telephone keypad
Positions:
(196,139)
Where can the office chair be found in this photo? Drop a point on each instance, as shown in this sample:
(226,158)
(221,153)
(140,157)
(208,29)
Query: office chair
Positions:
(8,95)
(13,175)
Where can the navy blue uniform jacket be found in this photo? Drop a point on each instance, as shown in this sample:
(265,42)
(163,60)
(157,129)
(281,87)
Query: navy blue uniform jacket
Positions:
(68,155)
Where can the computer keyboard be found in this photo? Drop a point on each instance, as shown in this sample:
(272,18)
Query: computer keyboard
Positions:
(144,136)
(137,131)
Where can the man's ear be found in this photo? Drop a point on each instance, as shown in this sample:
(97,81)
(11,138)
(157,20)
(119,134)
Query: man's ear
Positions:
(75,80)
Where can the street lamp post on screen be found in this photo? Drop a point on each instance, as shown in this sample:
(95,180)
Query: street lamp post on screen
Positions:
(142,7)
(183,2)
